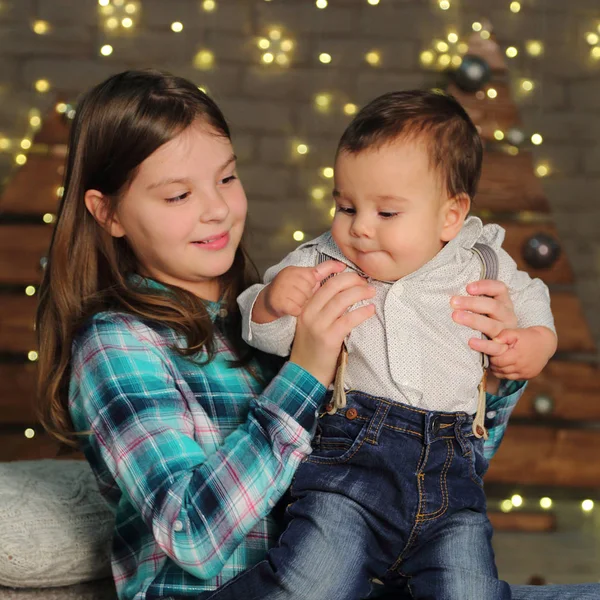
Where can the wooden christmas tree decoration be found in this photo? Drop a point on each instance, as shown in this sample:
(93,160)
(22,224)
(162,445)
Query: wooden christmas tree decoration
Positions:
(28,206)
(549,441)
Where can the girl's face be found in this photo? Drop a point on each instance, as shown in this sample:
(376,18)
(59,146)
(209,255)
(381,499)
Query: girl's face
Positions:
(184,213)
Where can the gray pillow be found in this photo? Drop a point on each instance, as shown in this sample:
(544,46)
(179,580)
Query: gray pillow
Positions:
(55,528)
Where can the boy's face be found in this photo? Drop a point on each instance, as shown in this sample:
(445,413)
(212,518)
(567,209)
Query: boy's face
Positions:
(391,209)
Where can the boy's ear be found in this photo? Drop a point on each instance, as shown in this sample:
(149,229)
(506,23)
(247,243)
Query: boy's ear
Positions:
(455,213)
(97,204)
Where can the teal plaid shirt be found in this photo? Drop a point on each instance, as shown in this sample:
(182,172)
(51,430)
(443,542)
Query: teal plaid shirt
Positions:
(192,458)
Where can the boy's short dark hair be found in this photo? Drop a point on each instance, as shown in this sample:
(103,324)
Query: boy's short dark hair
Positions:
(452,141)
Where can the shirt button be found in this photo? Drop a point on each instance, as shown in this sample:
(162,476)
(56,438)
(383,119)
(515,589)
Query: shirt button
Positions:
(398,289)
(351,414)
(178,526)
(491,414)
(223,313)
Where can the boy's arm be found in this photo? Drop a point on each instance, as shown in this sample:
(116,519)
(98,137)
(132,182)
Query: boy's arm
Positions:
(259,329)
(531,345)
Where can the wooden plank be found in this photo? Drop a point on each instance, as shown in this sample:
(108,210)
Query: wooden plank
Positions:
(33,189)
(532,455)
(508,184)
(17,393)
(489,114)
(21,249)
(517,235)
(573,387)
(571,326)
(15,446)
(529,522)
(17,315)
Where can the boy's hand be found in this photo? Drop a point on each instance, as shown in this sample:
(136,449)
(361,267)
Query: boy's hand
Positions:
(289,291)
(527,352)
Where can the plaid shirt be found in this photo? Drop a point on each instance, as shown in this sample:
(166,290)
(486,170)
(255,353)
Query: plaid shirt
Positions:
(191,457)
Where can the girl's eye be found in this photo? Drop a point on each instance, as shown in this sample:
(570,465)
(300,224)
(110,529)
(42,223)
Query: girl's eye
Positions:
(345,210)
(387,215)
(178,198)
(227,180)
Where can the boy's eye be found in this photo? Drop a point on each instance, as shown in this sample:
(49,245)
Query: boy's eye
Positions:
(178,198)
(227,180)
(346,210)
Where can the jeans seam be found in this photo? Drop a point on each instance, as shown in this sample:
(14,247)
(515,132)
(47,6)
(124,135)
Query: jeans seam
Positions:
(417,524)
(443,488)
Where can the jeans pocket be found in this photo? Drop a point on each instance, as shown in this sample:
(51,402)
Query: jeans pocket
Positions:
(337,439)
(478,464)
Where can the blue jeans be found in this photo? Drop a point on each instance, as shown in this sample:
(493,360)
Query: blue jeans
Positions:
(390,492)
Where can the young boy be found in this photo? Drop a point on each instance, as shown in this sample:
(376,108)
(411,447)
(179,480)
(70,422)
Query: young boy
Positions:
(393,489)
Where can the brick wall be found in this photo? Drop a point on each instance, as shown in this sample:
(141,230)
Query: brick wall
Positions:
(271,108)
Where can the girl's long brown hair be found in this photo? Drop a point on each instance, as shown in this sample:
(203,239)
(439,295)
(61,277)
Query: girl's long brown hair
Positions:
(118,124)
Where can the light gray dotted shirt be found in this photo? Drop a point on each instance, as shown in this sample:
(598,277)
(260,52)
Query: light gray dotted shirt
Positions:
(411,350)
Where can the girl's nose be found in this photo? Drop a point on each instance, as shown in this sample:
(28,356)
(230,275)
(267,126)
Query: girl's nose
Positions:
(215,208)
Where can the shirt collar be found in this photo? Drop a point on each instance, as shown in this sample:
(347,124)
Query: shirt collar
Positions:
(213,308)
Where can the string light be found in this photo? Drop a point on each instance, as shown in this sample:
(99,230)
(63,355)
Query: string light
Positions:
(118,13)
(276,46)
(536,139)
(427,57)
(317,193)
(542,170)
(30,290)
(485,34)
(103,2)
(25,144)
(41,27)
(350,109)
(373,58)
(302,149)
(587,505)
(29,433)
(127,22)
(32,355)
(595,52)
(106,50)
(323,102)
(511,52)
(506,506)
(546,502)
(498,134)
(453,37)
(325,58)
(4,143)
(441,46)
(298,236)
(204,60)
(517,500)
(48,218)
(373,2)
(209,5)
(177,26)
(321,3)
(20,159)
(327,172)
(42,85)
(535,48)
(477,26)
(527,85)
(492,93)
(444,4)
(332,212)
(35,121)
(515,7)
(592,38)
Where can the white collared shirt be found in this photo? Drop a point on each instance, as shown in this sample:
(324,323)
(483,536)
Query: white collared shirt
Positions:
(411,350)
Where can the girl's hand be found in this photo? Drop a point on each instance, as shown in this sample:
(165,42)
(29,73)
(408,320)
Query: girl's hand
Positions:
(489,310)
(326,321)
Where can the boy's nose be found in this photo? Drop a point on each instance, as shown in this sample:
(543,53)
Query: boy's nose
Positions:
(360,228)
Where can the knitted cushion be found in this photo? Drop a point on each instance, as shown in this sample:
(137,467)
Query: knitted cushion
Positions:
(55,528)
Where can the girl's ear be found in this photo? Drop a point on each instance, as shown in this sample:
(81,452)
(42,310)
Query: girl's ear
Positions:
(455,213)
(97,204)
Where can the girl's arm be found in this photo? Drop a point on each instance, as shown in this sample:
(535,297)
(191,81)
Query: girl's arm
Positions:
(200,495)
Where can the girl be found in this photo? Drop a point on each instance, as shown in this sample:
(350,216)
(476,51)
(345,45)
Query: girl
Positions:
(193,437)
